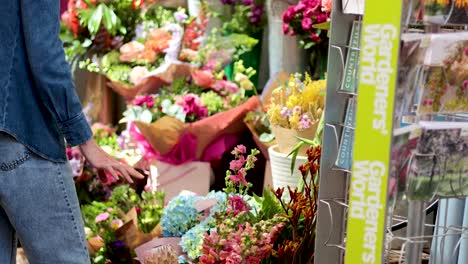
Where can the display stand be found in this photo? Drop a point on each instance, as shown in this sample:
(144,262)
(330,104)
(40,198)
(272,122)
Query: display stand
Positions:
(356,221)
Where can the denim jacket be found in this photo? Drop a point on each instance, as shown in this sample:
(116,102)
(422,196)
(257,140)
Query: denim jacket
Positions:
(38,102)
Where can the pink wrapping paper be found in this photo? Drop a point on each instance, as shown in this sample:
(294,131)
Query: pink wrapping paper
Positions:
(204,140)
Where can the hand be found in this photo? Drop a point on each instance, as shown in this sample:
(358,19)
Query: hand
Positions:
(101,160)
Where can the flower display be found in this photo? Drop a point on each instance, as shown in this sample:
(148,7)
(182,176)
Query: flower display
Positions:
(297,105)
(247,16)
(299,20)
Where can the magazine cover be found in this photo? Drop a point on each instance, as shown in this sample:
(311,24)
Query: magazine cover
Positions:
(355,7)
(410,75)
(350,76)
(439,167)
(404,143)
(345,152)
(446,77)
(444,12)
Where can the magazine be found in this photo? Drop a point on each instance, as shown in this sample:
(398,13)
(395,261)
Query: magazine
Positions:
(439,166)
(345,152)
(446,78)
(350,75)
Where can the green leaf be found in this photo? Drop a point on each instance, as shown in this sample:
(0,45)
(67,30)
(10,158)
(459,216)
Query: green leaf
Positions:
(111,20)
(309,45)
(322,26)
(307,141)
(95,21)
(294,154)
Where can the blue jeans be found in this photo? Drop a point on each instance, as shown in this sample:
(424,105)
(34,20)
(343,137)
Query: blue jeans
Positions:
(39,206)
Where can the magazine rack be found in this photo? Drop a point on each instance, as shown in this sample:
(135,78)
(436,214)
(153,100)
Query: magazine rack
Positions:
(341,234)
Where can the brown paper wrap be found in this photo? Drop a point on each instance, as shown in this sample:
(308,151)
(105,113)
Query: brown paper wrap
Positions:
(131,234)
(287,138)
(165,133)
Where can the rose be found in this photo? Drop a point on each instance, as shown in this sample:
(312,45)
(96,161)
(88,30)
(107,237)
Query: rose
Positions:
(327,5)
(203,78)
(131,51)
(306,23)
(137,74)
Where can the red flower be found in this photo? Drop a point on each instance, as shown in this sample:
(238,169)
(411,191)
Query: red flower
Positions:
(137,4)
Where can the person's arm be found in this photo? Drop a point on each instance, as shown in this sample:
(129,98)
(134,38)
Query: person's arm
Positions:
(50,70)
(53,81)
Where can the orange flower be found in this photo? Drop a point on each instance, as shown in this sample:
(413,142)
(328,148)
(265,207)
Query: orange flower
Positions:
(131,51)
(148,55)
(203,78)
(158,40)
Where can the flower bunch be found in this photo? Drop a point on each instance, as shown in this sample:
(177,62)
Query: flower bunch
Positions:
(236,175)
(193,107)
(236,242)
(103,220)
(297,105)
(301,214)
(300,20)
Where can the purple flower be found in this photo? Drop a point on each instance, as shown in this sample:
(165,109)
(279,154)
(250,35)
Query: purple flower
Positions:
(247,2)
(228,2)
(180,16)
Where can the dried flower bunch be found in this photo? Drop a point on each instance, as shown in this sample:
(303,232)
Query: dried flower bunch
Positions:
(298,104)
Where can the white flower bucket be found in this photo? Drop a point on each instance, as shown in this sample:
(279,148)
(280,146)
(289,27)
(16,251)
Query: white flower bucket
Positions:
(281,169)
(284,51)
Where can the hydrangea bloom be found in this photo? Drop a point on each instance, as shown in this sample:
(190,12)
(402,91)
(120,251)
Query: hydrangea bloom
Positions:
(180,215)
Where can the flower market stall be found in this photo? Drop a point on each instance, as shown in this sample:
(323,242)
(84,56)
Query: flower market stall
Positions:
(193,118)
(237,171)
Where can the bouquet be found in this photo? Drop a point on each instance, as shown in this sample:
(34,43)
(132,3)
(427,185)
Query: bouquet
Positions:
(309,21)
(295,110)
(183,121)
(112,234)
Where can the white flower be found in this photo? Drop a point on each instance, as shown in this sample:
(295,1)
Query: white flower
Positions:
(137,74)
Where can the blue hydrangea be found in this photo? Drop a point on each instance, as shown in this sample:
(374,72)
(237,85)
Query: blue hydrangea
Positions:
(180,215)
(192,241)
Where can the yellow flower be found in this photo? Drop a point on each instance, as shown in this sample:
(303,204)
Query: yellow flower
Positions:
(246,85)
(294,120)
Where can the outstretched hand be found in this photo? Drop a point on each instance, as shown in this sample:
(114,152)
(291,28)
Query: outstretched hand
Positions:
(101,160)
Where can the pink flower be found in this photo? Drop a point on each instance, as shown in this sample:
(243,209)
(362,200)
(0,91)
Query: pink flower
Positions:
(314,37)
(285,29)
(239,178)
(237,205)
(306,23)
(327,5)
(203,78)
(116,224)
(102,217)
(138,74)
(227,86)
(289,14)
(240,149)
(465,84)
(145,99)
(236,165)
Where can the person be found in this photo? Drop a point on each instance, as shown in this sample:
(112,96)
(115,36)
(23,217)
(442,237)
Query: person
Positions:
(40,113)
